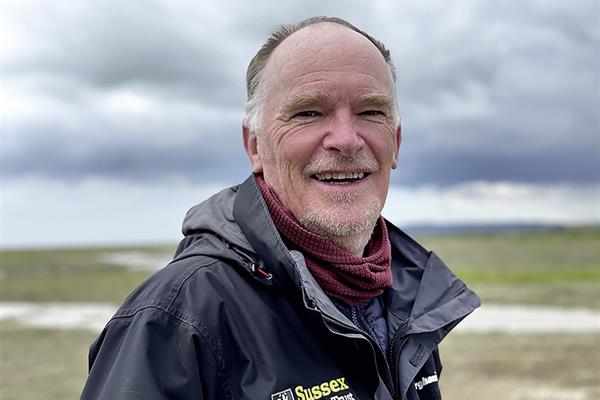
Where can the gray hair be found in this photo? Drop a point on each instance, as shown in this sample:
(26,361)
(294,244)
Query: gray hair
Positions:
(254,75)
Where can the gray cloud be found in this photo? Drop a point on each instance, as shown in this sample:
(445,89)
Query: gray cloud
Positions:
(488,91)
(541,167)
(208,159)
(121,45)
(196,150)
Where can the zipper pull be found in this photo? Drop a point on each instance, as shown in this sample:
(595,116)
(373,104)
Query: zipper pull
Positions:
(260,272)
(249,261)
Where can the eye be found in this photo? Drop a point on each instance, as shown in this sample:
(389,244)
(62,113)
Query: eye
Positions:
(307,114)
(372,113)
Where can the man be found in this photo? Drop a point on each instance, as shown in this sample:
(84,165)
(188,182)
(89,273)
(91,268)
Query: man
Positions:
(291,285)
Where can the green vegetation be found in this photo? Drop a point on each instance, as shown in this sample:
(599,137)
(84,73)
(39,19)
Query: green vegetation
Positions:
(42,364)
(541,252)
(554,268)
(552,295)
(67,260)
(549,268)
(77,275)
(108,285)
(557,267)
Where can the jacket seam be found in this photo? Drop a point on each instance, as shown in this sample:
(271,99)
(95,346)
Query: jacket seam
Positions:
(218,360)
(176,291)
(178,318)
(167,301)
(166,305)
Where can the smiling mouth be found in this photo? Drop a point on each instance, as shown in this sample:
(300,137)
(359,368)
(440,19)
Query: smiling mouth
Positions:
(340,178)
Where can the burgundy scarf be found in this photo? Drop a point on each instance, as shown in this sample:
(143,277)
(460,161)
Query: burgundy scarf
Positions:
(341,275)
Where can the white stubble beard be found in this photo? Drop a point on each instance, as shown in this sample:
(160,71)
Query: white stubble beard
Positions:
(352,236)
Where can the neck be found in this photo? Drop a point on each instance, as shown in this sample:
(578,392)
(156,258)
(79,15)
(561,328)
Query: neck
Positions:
(354,244)
(344,267)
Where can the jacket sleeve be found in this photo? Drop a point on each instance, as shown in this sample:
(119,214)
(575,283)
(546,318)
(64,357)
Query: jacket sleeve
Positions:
(152,355)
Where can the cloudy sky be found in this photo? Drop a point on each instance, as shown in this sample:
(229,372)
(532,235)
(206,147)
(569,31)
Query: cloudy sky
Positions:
(119,116)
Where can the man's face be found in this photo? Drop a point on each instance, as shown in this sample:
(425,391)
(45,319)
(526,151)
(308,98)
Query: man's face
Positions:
(329,137)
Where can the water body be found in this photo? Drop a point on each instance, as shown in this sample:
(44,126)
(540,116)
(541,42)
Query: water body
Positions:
(487,319)
(90,316)
(137,260)
(530,320)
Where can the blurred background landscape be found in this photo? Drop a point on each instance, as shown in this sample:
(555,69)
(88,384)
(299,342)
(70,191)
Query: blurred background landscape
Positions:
(116,118)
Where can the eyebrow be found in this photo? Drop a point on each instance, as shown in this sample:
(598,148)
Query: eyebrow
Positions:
(304,100)
(308,100)
(377,100)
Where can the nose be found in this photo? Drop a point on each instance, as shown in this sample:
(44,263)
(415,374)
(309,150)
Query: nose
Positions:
(342,134)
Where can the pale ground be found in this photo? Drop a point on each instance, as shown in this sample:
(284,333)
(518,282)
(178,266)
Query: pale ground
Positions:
(487,319)
(137,260)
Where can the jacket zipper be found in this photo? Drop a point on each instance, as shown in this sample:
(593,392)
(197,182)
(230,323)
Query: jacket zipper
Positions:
(392,361)
(394,369)
(354,317)
(388,378)
(388,375)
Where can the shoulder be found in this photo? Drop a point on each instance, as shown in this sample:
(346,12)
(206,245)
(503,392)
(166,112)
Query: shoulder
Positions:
(161,289)
(202,280)
(149,335)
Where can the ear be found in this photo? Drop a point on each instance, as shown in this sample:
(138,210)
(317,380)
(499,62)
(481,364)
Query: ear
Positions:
(251,146)
(397,149)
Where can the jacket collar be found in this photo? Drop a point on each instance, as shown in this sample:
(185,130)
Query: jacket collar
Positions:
(425,295)
(425,292)
(252,215)
(426,300)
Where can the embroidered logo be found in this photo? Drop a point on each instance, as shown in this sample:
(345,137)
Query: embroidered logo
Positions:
(328,389)
(426,380)
(283,395)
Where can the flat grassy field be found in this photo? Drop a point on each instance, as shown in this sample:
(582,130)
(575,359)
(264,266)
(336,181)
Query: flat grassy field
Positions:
(521,367)
(549,268)
(73,275)
(555,268)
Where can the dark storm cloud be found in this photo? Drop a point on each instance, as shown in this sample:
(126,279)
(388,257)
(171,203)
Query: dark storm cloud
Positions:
(488,91)
(121,45)
(536,166)
(503,93)
(139,161)
(197,152)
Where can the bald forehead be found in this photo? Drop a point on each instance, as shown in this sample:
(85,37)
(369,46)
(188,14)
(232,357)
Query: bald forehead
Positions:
(322,41)
(317,36)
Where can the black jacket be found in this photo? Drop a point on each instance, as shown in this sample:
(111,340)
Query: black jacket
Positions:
(236,315)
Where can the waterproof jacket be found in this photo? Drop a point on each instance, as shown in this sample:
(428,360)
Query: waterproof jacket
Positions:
(236,315)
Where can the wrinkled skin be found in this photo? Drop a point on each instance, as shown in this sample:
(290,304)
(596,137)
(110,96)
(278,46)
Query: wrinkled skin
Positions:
(330,108)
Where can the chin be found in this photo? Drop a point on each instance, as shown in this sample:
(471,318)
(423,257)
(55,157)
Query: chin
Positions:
(342,220)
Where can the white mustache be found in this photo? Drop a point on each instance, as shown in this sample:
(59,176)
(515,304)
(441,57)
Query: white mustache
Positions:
(361,162)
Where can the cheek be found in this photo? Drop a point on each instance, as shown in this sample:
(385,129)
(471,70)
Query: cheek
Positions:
(290,167)
(384,151)
(280,162)
(390,145)
(298,148)
(381,139)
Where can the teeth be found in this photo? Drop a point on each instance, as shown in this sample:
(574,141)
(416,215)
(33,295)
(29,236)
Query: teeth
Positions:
(340,175)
